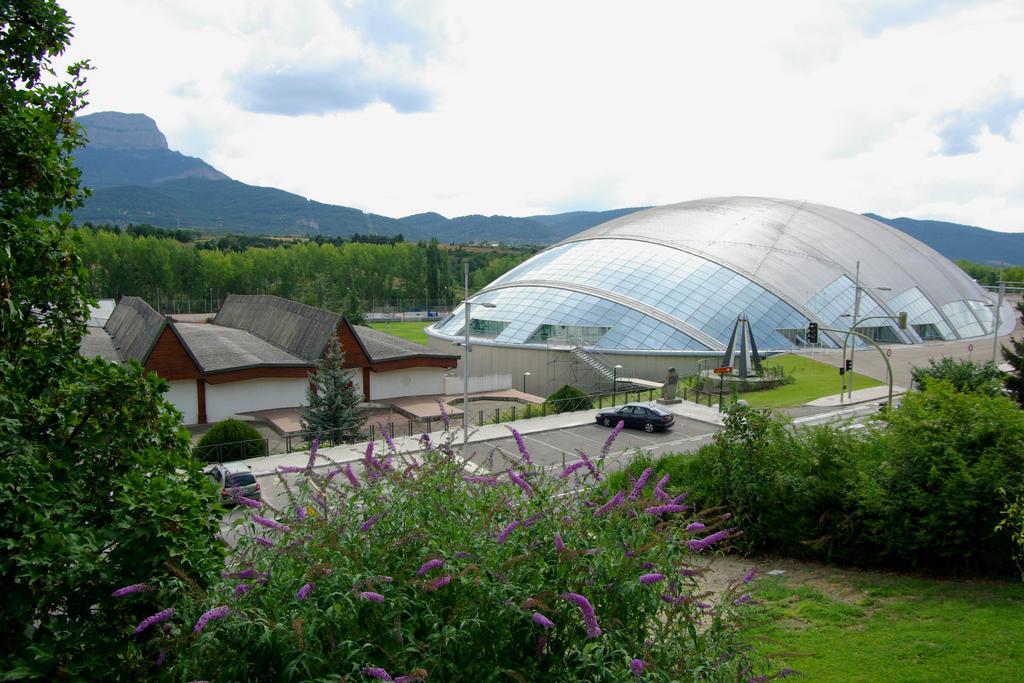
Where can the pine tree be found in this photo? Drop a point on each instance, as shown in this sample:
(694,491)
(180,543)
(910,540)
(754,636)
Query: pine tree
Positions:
(333,412)
(1015,357)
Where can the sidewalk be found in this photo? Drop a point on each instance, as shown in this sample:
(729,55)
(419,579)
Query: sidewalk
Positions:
(859,396)
(410,444)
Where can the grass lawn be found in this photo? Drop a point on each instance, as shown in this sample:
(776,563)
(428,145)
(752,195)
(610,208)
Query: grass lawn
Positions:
(413,331)
(867,626)
(813,380)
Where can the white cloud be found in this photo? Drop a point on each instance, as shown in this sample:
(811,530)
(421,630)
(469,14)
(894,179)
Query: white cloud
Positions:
(534,107)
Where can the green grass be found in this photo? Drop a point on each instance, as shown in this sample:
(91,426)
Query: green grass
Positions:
(813,379)
(412,331)
(878,627)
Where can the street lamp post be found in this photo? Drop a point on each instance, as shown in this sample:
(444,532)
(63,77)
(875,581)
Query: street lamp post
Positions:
(525,375)
(465,375)
(857,289)
(996,321)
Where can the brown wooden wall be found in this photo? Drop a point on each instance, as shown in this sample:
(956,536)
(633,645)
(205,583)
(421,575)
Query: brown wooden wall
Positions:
(169,358)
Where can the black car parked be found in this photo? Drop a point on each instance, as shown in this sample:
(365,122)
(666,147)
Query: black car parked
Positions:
(639,415)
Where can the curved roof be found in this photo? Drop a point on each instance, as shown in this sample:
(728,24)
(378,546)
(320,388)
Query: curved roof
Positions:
(677,277)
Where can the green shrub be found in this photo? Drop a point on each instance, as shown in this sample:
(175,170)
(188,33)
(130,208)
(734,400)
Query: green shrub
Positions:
(784,487)
(231,440)
(427,571)
(569,398)
(983,378)
(928,490)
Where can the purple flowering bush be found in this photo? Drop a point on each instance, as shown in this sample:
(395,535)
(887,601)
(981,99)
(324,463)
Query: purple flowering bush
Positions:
(412,569)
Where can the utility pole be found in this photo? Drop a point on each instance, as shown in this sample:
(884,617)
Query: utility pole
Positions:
(995,324)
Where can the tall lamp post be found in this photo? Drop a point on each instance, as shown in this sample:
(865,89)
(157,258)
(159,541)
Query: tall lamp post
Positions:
(525,375)
(857,289)
(465,374)
(996,321)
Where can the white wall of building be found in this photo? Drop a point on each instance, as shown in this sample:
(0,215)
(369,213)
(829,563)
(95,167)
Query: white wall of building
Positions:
(409,382)
(185,397)
(453,384)
(231,398)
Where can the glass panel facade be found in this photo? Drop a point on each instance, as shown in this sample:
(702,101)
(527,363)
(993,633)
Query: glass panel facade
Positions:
(983,313)
(692,289)
(526,309)
(921,315)
(963,320)
(570,334)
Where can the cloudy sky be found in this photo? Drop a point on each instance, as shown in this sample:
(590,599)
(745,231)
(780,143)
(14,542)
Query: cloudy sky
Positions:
(901,107)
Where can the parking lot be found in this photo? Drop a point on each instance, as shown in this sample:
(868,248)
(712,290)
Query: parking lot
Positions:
(556,448)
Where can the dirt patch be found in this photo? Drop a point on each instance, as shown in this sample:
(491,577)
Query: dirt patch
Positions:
(836,583)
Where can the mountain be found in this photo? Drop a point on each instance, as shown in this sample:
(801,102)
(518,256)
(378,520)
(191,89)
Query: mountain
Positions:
(956,241)
(136,178)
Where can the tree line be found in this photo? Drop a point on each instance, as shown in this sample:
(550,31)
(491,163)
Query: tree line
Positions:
(332,274)
(991,275)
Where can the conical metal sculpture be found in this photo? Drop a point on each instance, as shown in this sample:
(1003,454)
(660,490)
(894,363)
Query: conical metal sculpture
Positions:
(747,352)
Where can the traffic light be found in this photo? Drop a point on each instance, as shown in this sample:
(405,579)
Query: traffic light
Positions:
(812,333)
(903,320)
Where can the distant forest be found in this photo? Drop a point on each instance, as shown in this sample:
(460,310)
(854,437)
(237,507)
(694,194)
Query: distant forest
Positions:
(183,271)
(990,275)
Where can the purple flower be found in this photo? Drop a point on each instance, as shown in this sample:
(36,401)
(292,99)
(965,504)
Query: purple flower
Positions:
(351,476)
(263,541)
(409,679)
(640,483)
(248,502)
(615,501)
(270,524)
(426,442)
(659,489)
(587,610)
(522,446)
(680,498)
(520,482)
(429,565)
(387,437)
(163,615)
(445,420)
(664,509)
(503,536)
(542,620)
(300,513)
(128,590)
(648,565)
(697,545)
(559,544)
(694,526)
(286,469)
(611,439)
(376,672)
(304,591)
(241,589)
(440,582)
(370,521)
(371,596)
(245,574)
(648,579)
(637,666)
(750,576)
(572,468)
(743,599)
(590,465)
(207,617)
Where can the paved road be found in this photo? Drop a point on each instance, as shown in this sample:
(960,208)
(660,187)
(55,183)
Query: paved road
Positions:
(557,448)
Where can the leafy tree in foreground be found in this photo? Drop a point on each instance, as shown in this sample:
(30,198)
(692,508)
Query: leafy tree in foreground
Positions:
(97,487)
(333,412)
(1014,355)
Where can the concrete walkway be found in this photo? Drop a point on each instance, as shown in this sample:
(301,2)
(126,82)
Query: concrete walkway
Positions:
(859,396)
(407,444)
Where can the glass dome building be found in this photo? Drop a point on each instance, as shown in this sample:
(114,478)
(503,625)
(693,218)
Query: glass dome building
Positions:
(672,280)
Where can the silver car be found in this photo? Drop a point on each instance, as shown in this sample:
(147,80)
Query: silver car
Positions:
(234,481)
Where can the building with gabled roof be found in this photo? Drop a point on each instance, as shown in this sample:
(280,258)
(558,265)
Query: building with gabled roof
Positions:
(257,354)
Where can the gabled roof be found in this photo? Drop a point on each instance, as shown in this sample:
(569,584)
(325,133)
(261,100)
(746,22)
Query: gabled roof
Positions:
(135,327)
(300,329)
(380,346)
(97,342)
(216,348)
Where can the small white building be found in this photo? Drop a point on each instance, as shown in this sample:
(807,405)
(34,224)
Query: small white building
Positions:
(257,354)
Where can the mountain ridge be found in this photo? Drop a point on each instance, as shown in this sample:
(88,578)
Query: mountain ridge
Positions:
(137,178)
